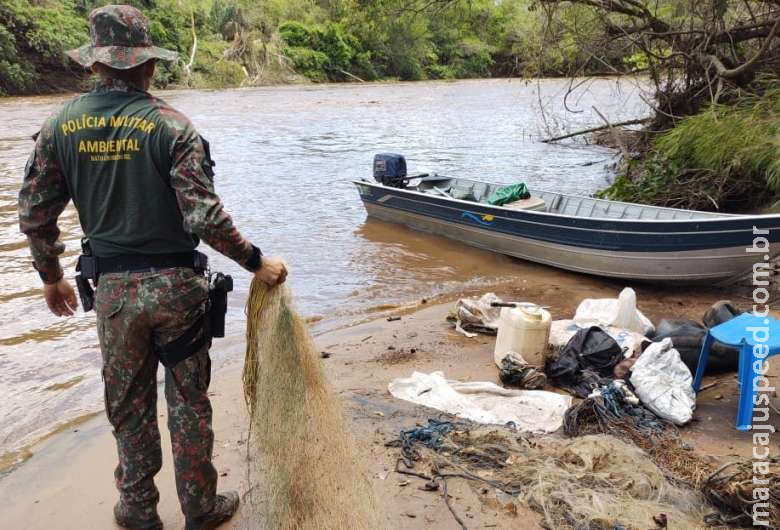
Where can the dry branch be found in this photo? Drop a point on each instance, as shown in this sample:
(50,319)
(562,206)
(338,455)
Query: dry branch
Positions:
(353,76)
(597,129)
(188,66)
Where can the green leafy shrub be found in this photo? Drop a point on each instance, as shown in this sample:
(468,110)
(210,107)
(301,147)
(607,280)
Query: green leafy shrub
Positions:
(170,26)
(475,58)
(334,42)
(167,74)
(323,52)
(51,32)
(33,39)
(442,71)
(16,75)
(210,52)
(297,35)
(311,63)
(363,66)
(726,157)
(225,74)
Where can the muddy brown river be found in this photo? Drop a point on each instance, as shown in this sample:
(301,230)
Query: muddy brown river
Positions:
(285,157)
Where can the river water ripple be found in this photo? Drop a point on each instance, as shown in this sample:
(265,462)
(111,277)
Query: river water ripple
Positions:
(285,156)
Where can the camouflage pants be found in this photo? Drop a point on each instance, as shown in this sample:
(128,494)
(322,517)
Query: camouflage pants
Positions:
(136,313)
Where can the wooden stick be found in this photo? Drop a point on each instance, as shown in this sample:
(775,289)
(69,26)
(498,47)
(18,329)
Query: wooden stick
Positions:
(353,76)
(726,73)
(596,129)
(188,66)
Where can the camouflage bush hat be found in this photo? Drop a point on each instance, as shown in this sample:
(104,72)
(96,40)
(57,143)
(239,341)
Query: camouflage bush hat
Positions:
(120,39)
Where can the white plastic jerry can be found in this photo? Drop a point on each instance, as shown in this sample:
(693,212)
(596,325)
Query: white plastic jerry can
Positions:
(524,329)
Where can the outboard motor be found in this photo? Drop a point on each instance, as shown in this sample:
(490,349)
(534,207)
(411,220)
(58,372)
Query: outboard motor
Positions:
(390,170)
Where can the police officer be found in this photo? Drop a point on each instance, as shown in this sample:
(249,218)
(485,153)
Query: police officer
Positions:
(140,177)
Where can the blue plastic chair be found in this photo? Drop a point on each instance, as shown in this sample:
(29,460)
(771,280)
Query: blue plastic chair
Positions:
(735,333)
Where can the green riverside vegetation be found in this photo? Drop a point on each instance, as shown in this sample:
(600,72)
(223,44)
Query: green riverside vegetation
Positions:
(714,65)
(726,157)
(241,42)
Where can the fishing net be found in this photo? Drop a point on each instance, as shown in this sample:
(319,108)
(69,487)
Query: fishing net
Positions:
(303,469)
(592,482)
(608,412)
(731,487)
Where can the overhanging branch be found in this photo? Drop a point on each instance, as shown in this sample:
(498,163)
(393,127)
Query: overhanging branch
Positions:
(731,73)
(630,8)
(743,33)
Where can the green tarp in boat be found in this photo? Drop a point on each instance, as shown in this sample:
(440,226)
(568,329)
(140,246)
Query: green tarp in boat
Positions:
(506,194)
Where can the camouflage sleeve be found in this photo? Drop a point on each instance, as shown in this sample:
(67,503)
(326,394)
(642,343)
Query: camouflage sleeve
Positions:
(42,199)
(203,212)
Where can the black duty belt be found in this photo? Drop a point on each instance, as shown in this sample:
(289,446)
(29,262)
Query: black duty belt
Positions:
(92,267)
(210,324)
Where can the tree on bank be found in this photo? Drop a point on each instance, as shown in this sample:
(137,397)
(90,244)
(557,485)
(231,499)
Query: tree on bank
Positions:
(694,51)
(714,66)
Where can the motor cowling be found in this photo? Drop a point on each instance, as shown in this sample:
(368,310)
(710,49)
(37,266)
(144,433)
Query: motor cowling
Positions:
(390,169)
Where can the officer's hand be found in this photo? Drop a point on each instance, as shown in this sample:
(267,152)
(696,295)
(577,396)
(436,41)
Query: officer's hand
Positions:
(273,272)
(60,297)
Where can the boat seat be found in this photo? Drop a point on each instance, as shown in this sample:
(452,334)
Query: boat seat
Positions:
(531,203)
(481,191)
(462,192)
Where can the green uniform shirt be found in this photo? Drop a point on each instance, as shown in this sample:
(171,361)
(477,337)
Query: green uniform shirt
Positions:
(115,147)
(138,173)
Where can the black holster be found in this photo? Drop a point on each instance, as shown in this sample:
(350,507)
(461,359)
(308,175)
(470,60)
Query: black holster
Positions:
(211,324)
(217,304)
(87,269)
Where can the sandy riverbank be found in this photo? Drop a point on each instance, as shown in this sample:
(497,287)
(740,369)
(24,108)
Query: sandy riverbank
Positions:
(68,483)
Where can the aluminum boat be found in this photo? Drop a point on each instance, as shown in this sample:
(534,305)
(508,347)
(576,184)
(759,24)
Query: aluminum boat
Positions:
(583,234)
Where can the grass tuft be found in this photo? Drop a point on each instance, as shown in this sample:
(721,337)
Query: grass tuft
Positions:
(725,158)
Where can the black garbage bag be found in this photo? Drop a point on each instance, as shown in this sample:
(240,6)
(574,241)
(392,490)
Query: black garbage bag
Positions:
(687,338)
(719,313)
(595,349)
(563,367)
(586,362)
(569,376)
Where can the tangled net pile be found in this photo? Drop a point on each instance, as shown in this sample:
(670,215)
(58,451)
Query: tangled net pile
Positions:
(731,487)
(593,482)
(610,413)
(303,469)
